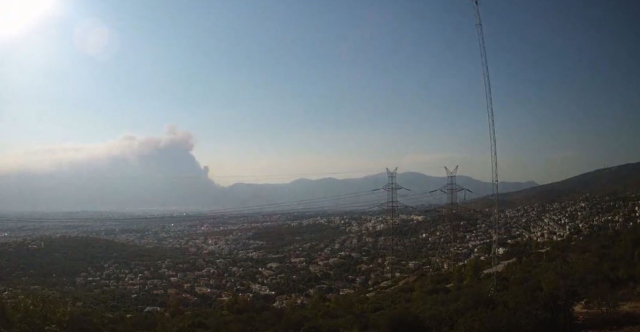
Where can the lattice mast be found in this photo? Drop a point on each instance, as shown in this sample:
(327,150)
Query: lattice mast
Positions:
(492,136)
(392,205)
(451,189)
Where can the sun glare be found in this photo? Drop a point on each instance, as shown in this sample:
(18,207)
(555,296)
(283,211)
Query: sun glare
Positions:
(17,17)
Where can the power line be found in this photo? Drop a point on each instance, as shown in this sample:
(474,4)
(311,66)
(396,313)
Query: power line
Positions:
(309,205)
(297,174)
(369,203)
(200,176)
(366,205)
(282,204)
(310,202)
(306,204)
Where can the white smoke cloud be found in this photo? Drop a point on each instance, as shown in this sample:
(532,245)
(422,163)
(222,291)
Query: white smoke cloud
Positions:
(130,172)
(131,148)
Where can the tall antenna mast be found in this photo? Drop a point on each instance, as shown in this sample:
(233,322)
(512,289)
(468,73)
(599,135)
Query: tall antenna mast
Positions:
(492,137)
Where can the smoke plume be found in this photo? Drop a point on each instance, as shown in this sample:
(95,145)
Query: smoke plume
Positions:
(131,172)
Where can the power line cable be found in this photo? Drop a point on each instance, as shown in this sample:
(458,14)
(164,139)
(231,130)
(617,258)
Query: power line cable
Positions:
(297,174)
(311,200)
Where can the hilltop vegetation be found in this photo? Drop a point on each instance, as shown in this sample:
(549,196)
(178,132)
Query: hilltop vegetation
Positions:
(58,261)
(612,181)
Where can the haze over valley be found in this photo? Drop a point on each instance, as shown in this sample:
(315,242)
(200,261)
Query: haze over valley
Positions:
(441,166)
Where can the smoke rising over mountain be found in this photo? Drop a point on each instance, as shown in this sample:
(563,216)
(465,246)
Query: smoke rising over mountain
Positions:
(160,172)
(131,172)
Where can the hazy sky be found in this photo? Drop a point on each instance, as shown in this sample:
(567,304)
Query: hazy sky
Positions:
(307,87)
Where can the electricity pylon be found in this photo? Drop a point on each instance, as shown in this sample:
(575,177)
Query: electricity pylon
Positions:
(392,206)
(451,189)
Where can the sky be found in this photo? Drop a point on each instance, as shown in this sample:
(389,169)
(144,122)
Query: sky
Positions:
(270,91)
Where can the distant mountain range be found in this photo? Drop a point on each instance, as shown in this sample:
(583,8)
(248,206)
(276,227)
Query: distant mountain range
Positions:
(103,191)
(611,181)
(116,188)
(331,193)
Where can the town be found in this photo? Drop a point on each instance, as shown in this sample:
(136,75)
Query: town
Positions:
(290,257)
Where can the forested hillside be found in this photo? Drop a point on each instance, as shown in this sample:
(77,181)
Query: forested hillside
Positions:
(612,181)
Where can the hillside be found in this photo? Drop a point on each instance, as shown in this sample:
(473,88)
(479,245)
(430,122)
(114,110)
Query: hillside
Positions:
(57,261)
(587,284)
(611,181)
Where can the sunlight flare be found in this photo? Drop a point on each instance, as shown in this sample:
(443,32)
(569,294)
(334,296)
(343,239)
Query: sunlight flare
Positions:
(17,17)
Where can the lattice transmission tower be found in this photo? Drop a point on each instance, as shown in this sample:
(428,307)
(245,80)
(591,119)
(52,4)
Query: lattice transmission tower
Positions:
(392,207)
(451,189)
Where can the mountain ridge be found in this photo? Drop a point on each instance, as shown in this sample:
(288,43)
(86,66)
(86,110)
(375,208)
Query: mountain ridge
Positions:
(249,194)
(609,181)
